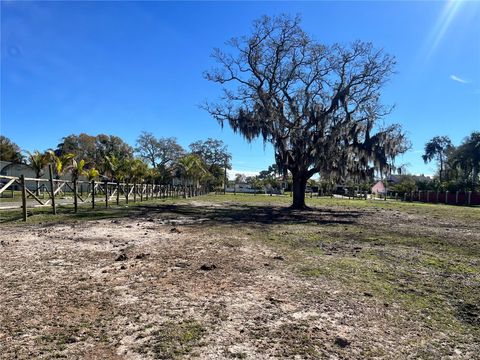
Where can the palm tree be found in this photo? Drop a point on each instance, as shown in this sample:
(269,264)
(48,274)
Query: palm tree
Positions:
(61,163)
(38,161)
(113,166)
(256,184)
(118,169)
(437,148)
(138,170)
(77,169)
(92,174)
(191,169)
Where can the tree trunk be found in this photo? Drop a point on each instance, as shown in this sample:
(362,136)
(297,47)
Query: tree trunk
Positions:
(75,199)
(118,192)
(37,192)
(474,176)
(441,168)
(298,190)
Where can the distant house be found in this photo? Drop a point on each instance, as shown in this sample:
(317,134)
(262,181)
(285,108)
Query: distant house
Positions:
(13,169)
(379,188)
(241,188)
(16,170)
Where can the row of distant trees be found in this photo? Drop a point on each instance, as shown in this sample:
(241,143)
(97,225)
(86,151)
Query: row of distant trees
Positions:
(152,159)
(458,166)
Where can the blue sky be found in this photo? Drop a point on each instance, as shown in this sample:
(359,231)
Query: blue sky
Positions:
(123,67)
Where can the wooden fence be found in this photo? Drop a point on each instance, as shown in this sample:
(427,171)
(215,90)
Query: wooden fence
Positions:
(447,197)
(64,192)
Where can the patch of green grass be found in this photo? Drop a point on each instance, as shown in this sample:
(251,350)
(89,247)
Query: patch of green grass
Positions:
(449,265)
(297,339)
(430,276)
(174,340)
(439,210)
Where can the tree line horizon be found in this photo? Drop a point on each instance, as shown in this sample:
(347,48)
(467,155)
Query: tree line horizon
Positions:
(160,159)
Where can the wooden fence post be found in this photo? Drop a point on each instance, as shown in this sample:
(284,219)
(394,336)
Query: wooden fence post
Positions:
(446,197)
(118,192)
(126,192)
(134,192)
(469,198)
(75,200)
(24,197)
(52,188)
(93,194)
(106,193)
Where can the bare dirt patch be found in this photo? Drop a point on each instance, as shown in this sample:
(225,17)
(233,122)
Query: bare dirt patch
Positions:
(213,281)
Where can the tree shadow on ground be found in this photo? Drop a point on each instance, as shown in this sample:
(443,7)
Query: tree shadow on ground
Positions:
(190,214)
(247,214)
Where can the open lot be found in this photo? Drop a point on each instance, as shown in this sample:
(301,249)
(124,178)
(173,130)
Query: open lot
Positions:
(242,277)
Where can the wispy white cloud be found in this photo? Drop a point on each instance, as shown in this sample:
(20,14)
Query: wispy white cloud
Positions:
(459,79)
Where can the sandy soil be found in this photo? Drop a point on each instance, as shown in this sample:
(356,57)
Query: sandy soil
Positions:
(173,285)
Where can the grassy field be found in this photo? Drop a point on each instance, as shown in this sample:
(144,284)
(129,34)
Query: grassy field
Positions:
(242,276)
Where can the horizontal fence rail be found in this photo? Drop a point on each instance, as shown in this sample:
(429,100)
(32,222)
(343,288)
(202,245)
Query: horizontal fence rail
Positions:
(32,192)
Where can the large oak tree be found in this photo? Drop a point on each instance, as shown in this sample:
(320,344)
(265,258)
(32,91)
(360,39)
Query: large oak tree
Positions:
(9,151)
(216,157)
(159,152)
(319,105)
